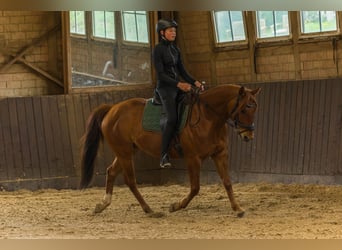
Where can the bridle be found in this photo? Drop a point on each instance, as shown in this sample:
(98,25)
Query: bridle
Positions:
(233,117)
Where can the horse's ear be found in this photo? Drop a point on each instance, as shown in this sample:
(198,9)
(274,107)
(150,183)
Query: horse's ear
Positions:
(242,91)
(256,91)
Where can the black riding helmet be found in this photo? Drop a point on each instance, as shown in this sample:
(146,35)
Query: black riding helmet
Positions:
(164,24)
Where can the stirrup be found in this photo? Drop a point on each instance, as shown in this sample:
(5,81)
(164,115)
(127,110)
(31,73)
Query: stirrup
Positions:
(165,162)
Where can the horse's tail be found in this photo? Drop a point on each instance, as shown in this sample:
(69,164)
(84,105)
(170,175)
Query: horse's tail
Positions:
(90,143)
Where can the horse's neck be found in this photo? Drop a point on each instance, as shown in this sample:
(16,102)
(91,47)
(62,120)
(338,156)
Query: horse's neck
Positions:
(218,97)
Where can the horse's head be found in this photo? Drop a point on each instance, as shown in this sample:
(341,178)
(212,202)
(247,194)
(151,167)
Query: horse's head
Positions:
(243,112)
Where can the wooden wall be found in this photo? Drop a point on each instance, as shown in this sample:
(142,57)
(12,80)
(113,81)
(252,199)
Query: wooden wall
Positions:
(298,138)
(39,138)
(298,134)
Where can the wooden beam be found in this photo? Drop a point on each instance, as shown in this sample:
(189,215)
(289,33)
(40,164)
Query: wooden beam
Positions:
(67,76)
(28,47)
(42,72)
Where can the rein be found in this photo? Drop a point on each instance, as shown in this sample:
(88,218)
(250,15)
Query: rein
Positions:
(233,117)
(194,99)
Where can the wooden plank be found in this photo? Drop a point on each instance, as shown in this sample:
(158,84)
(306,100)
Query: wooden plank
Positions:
(308,113)
(279,120)
(85,106)
(25,144)
(68,168)
(318,131)
(334,149)
(297,114)
(263,128)
(49,137)
(303,126)
(316,142)
(79,118)
(6,158)
(273,121)
(80,125)
(270,102)
(286,165)
(338,90)
(32,137)
(291,94)
(324,163)
(40,136)
(15,135)
(3,165)
(56,136)
(73,132)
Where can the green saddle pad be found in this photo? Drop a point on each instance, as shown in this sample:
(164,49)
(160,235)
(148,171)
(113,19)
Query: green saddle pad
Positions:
(152,115)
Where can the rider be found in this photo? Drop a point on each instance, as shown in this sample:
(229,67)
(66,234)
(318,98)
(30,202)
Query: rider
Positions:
(172,81)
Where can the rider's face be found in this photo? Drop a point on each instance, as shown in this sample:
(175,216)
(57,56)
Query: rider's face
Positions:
(170,34)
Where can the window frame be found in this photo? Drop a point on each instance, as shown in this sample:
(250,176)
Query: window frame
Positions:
(119,43)
(99,38)
(230,44)
(320,34)
(285,38)
(75,34)
(123,28)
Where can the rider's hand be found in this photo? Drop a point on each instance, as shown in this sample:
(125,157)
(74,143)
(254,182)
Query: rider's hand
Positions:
(186,87)
(199,85)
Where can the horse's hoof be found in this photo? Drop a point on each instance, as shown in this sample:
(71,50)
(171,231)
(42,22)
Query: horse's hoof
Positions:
(174,207)
(99,208)
(156,215)
(240,214)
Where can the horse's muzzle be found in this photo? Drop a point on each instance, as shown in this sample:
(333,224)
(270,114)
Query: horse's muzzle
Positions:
(246,135)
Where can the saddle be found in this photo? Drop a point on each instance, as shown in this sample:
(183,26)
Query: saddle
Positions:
(154,118)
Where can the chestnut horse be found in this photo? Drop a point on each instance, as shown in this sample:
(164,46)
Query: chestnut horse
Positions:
(205,135)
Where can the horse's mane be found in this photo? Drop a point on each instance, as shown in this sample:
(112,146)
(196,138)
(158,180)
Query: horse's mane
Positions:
(220,89)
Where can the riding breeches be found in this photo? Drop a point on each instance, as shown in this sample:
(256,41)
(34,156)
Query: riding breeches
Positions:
(170,100)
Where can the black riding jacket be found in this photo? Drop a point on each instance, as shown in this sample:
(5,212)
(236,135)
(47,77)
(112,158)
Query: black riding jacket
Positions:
(169,66)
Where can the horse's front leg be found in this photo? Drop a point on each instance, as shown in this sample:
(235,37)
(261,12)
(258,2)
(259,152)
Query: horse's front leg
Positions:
(221,163)
(193,165)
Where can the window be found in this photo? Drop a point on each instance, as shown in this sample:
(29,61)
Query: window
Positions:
(105,58)
(134,25)
(272,24)
(104,24)
(77,22)
(229,26)
(318,21)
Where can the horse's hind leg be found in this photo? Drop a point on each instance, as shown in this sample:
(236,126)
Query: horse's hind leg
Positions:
(112,172)
(221,162)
